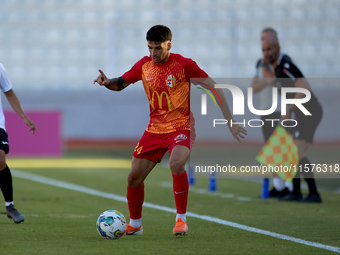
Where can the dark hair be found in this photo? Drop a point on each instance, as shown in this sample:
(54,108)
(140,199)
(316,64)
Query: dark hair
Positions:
(159,33)
(270,30)
(273,38)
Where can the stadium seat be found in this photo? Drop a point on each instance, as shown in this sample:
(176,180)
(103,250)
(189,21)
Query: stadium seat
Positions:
(222,32)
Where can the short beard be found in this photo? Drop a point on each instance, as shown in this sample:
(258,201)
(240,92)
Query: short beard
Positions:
(273,58)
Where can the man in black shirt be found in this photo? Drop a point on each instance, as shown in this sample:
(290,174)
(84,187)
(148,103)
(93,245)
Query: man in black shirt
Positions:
(287,74)
(264,88)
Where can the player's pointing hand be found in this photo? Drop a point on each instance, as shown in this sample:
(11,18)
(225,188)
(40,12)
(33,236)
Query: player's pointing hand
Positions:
(102,80)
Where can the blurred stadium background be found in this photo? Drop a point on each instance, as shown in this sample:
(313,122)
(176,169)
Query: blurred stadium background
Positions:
(52,50)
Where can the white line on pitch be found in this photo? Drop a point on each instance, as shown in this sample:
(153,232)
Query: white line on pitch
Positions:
(75,187)
(207,192)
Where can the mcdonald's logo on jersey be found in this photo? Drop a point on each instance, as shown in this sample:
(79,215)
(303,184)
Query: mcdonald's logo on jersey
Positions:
(160,100)
(171,81)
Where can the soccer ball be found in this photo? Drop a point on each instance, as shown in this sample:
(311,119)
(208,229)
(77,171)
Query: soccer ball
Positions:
(111,224)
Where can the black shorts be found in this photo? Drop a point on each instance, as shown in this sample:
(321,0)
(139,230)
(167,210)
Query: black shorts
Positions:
(307,125)
(4,141)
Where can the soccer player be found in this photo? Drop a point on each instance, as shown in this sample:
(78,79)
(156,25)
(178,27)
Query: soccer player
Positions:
(263,84)
(166,79)
(286,74)
(6,184)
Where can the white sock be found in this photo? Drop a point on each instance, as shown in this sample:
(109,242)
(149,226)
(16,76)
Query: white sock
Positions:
(136,223)
(9,203)
(289,186)
(182,216)
(278,183)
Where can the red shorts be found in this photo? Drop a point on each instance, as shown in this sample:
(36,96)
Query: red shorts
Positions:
(153,146)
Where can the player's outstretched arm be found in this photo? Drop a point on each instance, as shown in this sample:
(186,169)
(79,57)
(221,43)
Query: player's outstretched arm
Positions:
(15,103)
(236,130)
(116,84)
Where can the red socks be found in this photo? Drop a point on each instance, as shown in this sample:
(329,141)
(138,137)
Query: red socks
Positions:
(135,198)
(181,190)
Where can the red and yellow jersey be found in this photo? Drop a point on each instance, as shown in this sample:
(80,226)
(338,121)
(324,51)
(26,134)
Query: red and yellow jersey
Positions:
(167,87)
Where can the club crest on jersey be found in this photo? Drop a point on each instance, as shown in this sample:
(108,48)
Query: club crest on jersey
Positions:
(171,81)
(286,65)
(289,74)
